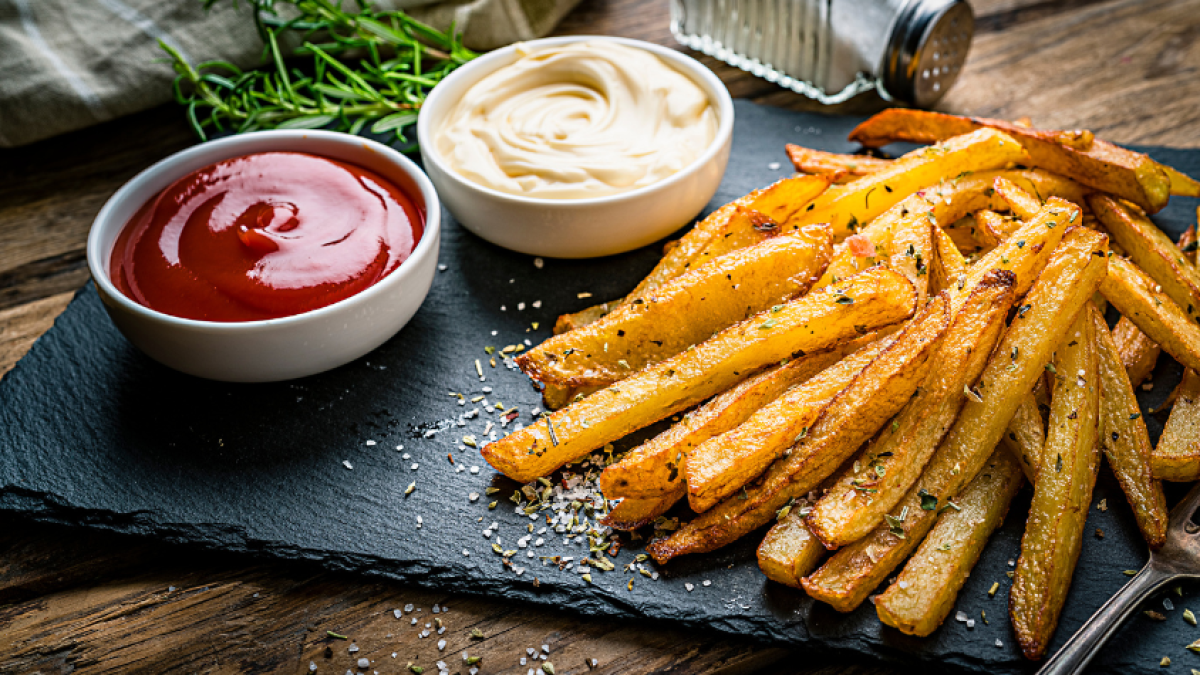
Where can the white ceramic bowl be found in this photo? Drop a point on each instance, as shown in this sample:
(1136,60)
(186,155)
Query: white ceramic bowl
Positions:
(576,228)
(275,349)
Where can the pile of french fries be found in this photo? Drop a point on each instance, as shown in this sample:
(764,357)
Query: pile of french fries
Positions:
(873,355)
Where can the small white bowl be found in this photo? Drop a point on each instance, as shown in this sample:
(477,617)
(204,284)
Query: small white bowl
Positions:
(576,228)
(288,347)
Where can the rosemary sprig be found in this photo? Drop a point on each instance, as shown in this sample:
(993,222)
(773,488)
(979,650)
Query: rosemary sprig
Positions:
(365,67)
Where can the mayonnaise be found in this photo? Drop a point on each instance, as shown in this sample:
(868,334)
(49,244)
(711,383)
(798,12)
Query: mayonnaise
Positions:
(580,120)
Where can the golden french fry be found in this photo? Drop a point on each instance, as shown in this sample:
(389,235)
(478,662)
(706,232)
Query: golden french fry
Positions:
(877,297)
(682,312)
(911,250)
(847,208)
(994,228)
(630,514)
(1125,440)
(727,461)
(1026,436)
(1138,352)
(1139,298)
(949,264)
(656,467)
(924,592)
(743,222)
(852,417)
(1059,295)
(1027,251)
(789,551)
(1092,162)
(807,160)
(1022,203)
(886,469)
(1151,250)
(1177,455)
(1182,185)
(1061,495)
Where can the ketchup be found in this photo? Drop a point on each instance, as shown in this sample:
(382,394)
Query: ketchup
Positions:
(264,236)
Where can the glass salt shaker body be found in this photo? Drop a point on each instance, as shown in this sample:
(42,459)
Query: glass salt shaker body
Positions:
(831,50)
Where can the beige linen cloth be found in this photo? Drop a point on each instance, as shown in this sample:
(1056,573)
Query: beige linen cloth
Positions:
(68,64)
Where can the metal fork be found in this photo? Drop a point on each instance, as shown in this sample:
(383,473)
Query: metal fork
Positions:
(1179,558)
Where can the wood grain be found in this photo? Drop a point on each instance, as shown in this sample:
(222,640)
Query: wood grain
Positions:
(73,600)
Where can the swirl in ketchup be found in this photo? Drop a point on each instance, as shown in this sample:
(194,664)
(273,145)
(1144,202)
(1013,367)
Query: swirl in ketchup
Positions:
(264,236)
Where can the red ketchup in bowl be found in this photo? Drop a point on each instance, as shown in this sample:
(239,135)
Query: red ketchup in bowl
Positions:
(264,236)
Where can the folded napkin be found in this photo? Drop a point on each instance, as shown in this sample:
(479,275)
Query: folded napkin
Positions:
(68,64)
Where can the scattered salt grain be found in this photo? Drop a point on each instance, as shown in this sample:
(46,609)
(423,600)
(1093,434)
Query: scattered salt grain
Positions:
(408,608)
(1168,605)
(706,582)
(312,666)
(364,663)
(397,613)
(546,648)
(538,263)
(441,268)
(414,466)
(999,643)
(346,463)
(773,166)
(970,623)
(523,660)
(353,648)
(689,587)
(960,617)
(441,645)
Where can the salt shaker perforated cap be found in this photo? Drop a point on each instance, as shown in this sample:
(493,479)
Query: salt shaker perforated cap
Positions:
(927,47)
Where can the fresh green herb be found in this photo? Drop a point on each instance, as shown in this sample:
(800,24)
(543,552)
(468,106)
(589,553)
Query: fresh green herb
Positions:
(928,501)
(361,67)
(336,636)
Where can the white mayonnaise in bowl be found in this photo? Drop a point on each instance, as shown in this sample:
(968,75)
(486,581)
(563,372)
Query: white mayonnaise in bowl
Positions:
(611,185)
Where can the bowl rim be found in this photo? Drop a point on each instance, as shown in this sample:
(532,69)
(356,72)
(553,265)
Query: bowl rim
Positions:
(228,148)
(484,65)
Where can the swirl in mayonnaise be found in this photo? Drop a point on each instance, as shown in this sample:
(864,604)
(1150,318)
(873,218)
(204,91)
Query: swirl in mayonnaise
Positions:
(580,120)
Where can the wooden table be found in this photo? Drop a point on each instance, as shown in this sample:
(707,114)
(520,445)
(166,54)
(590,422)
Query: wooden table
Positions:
(69,599)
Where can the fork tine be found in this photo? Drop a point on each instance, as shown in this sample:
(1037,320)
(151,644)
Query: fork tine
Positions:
(1183,511)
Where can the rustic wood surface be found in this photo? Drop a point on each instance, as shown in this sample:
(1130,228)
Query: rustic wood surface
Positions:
(92,602)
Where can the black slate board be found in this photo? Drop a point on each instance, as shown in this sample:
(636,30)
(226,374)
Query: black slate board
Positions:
(93,433)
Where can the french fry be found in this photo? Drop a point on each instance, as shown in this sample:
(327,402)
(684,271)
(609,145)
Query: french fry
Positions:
(1177,455)
(851,418)
(1182,185)
(1022,203)
(871,299)
(1125,440)
(1151,250)
(721,465)
(1094,163)
(789,551)
(849,207)
(910,252)
(949,265)
(994,228)
(682,312)
(1059,295)
(1027,251)
(1138,352)
(1026,436)
(807,160)
(1135,296)
(729,460)
(740,223)
(892,462)
(630,514)
(656,467)
(924,592)
(1062,494)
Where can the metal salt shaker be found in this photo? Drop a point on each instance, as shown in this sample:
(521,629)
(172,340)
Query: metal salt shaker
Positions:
(831,50)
